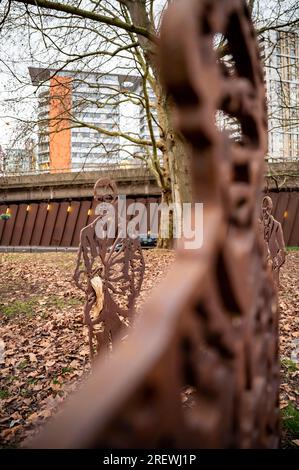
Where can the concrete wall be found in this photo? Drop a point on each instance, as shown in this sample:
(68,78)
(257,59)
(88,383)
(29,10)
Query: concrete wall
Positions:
(35,187)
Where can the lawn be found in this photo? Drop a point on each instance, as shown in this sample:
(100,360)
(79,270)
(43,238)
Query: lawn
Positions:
(46,345)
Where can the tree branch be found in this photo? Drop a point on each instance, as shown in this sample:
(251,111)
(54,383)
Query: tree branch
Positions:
(276,27)
(48,5)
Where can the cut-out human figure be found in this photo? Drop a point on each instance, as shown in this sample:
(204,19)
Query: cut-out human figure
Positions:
(273,236)
(109,270)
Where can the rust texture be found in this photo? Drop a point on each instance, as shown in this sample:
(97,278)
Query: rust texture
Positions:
(273,236)
(211,327)
(55,223)
(50,230)
(109,271)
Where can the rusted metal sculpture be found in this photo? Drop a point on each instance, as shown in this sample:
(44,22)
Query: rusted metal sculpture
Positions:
(109,271)
(273,236)
(213,323)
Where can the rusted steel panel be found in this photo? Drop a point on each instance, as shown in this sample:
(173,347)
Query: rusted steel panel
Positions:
(148,215)
(19,225)
(70,224)
(29,224)
(290,217)
(286,197)
(110,272)
(59,224)
(129,201)
(285,210)
(212,324)
(39,224)
(132,203)
(9,225)
(294,237)
(282,204)
(273,237)
(81,221)
(2,222)
(92,212)
(153,213)
(49,224)
(143,220)
(274,196)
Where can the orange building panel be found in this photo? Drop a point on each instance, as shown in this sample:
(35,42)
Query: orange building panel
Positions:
(59,123)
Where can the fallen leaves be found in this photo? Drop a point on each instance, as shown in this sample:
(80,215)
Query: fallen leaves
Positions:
(44,345)
(289,332)
(32,357)
(41,327)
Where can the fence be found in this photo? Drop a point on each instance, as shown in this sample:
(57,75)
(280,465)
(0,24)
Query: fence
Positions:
(58,223)
(212,326)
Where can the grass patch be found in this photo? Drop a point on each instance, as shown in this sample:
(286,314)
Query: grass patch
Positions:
(29,307)
(290,420)
(61,302)
(25,393)
(19,307)
(290,365)
(9,379)
(32,381)
(22,365)
(66,370)
(4,393)
(292,248)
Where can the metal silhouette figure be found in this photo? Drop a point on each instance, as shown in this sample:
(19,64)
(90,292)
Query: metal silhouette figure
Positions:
(273,237)
(212,324)
(109,270)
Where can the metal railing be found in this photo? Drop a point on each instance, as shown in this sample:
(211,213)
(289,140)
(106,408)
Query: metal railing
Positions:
(210,331)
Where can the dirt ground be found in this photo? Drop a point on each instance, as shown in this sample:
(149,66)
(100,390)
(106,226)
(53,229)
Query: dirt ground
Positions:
(46,346)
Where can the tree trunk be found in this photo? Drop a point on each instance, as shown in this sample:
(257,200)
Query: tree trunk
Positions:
(173,178)
(163,242)
(176,160)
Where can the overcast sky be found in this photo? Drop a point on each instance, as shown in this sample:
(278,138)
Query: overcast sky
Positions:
(16,54)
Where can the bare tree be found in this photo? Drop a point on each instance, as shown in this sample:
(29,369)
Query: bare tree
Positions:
(120,36)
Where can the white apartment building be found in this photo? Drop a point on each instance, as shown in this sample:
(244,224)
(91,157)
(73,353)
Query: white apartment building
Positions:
(281,55)
(82,102)
(94,102)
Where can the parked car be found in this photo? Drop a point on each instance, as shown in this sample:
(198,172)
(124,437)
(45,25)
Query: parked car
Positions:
(148,240)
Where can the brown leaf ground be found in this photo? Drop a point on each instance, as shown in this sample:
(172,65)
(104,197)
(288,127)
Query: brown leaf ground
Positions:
(289,334)
(46,346)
